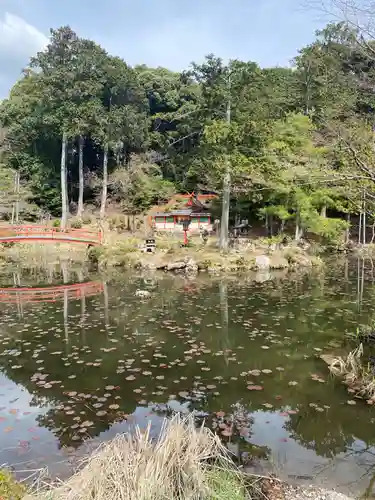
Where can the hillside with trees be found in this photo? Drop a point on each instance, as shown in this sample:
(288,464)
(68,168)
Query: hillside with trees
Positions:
(295,145)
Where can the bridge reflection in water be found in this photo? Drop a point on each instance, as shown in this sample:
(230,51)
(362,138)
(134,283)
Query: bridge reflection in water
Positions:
(50,293)
(23,296)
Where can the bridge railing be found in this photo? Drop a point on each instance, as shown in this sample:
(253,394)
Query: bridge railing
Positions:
(35,230)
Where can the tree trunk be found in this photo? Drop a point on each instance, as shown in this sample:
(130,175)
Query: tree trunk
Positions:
(64,191)
(323,211)
(364,219)
(298,234)
(105,181)
(17,197)
(224,223)
(347,232)
(80,173)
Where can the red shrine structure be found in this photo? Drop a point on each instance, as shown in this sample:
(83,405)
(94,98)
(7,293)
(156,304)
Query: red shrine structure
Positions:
(192,207)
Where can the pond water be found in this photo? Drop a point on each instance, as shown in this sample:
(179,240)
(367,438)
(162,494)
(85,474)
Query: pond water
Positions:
(80,364)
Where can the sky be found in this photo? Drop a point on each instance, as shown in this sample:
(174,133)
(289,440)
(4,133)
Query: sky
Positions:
(169,33)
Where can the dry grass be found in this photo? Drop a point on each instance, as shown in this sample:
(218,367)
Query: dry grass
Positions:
(185,463)
(357,375)
(38,254)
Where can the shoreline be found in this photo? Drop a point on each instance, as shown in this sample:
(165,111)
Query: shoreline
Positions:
(168,256)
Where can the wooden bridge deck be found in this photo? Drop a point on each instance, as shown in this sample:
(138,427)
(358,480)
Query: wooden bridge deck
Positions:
(34,233)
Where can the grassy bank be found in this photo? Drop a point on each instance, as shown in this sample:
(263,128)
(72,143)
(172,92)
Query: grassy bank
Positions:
(126,250)
(170,255)
(39,254)
(184,462)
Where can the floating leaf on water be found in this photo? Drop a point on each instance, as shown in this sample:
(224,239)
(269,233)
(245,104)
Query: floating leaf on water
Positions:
(113,407)
(71,394)
(137,391)
(109,387)
(292,383)
(183,394)
(351,402)
(130,377)
(267,405)
(87,423)
(160,377)
(255,388)
(280,368)
(266,371)
(264,347)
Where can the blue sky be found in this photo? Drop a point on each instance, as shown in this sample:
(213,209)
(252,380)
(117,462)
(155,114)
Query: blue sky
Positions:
(169,33)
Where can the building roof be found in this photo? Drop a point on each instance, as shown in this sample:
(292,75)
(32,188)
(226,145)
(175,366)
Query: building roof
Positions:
(179,212)
(173,212)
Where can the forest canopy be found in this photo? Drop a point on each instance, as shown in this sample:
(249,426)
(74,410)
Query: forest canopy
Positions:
(84,127)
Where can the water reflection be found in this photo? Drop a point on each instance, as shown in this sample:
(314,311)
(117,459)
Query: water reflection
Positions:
(244,355)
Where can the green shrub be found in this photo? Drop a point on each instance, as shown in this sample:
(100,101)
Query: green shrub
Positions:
(86,219)
(56,223)
(76,224)
(94,254)
(10,489)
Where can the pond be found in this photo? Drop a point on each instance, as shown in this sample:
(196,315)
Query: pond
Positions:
(80,364)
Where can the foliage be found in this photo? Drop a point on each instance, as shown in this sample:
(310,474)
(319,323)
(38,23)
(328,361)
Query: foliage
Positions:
(10,489)
(138,185)
(298,142)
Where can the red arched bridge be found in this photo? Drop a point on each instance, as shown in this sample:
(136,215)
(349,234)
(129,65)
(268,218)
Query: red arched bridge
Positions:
(50,293)
(11,234)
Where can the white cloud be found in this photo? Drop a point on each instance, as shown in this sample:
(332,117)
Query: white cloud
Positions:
(19,41)
(19,38)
